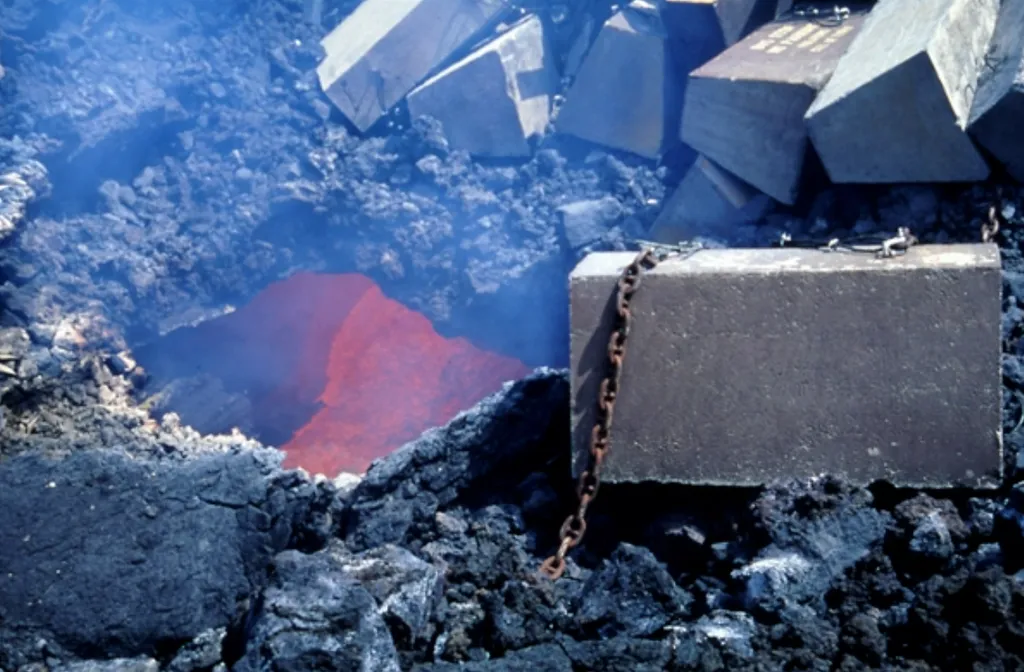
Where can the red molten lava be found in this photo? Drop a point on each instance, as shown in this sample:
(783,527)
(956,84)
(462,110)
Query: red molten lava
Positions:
(378,370)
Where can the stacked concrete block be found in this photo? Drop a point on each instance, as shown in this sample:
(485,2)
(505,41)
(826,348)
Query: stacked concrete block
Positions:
(495,100)
(626,95)
(709,202)
(997,118)
(745,108)
(702,29)
(897,107)
(750,366)
(386,47)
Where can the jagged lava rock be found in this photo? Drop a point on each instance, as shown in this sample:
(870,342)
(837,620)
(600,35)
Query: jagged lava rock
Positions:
(500,438)
(312,614)
(106,554)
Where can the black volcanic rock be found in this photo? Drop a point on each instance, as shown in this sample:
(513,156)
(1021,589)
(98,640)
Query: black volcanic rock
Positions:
(109,554)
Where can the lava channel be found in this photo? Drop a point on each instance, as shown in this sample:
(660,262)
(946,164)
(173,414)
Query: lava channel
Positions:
(358,374)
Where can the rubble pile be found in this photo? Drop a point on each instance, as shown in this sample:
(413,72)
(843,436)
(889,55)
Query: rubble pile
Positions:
(429,563)
(172,159)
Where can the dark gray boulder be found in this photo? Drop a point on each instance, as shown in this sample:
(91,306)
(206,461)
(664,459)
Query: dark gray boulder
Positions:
(104,554)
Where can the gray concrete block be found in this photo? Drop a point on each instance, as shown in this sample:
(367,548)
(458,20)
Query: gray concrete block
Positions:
(709,202)
(996,118)
(745,108)
(749,366)
(896,109)
(385,47)
(495,100)
(626,94)
(702,29)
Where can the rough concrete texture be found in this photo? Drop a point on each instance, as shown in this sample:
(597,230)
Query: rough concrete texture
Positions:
(703,28)
(896,109)
(745,108)
(385,47)
(498,99)
(733,376)
(709,203)
(999,101)
(625,95)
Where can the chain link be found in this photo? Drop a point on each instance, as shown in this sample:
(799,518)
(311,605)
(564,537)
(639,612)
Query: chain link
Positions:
(575,526)
(883,247)
(995,222)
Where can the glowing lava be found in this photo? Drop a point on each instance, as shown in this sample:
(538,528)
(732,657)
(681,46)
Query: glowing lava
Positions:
(378,371)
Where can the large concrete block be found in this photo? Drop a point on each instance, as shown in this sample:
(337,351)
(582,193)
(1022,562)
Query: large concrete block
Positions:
(745,108)
(625,95)
(897,106)
(702,29)
(385,47)
(709,202)
(492,102)
(748,366)
(997,118)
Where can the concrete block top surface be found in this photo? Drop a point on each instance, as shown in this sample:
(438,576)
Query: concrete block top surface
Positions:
(791,50)
(749,366)
(898,30)
(796,260)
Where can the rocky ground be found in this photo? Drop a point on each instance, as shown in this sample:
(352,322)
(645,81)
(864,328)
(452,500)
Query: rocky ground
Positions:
(161,161)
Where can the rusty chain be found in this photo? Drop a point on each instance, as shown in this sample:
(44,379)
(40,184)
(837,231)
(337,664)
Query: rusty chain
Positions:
(575,525)
(995,222)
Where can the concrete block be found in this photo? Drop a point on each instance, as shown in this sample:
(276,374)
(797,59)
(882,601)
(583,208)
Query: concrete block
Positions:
(897,106)
(745,108)
(749,366)
(702,29)
(995,121)
(709,202)
(385,47)
(625,95)
(494,101)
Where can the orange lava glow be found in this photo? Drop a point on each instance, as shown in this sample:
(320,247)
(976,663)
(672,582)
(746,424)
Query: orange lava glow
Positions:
(379,372)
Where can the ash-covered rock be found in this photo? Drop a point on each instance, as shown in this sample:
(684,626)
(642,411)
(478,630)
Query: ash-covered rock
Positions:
(818,530)
(23,180)
(109,555)
(315,615)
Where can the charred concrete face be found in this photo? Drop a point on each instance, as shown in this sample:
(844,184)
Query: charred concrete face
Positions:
(896,109)
(749,366)
(633,108)
(379,53)
(745,108)
(497,101)
(1000,94)
(709,203)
